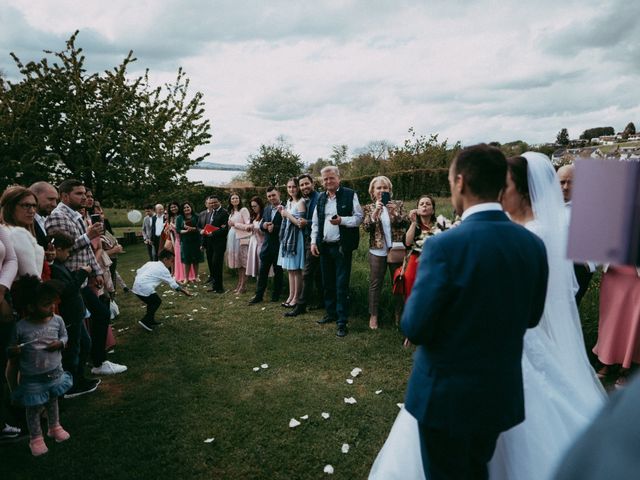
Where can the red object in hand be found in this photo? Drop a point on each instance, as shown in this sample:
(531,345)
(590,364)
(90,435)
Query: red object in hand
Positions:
(209,229)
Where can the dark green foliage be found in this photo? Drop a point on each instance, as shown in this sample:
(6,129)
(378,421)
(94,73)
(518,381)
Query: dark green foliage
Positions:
(597,132)
(122,137)
(406,184)
(274,164)
(563,137)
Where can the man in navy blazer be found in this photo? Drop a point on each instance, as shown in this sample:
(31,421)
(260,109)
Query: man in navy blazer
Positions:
(270,225)
(479,287)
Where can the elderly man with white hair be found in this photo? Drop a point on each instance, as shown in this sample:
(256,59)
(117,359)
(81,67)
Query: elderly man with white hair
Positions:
(334,237)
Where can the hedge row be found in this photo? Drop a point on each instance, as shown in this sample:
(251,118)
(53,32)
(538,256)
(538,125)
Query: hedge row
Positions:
(406,185)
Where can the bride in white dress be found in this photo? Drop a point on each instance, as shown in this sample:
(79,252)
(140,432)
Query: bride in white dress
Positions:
(561,390)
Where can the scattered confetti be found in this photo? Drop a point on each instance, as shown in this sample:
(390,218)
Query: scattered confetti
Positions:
(350,400)
(230,303)
(378,392)
(345,448)
(209,440)
(195,309)
(293,423)
(356,371)
(264,365)
(304,417)
(349,381)
(325,415)
(264,308)
(237,298)
(255,369)
(328,469)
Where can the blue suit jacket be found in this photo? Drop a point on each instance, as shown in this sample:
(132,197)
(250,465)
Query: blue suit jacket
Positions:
(271,242)
(479,287)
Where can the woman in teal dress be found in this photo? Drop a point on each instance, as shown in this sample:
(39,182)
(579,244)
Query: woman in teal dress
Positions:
(291,256)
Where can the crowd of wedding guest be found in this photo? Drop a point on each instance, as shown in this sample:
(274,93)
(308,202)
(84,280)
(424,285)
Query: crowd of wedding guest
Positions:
(61,234)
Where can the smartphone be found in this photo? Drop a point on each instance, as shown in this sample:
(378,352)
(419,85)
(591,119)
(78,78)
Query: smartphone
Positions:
(95,218)
(386,197)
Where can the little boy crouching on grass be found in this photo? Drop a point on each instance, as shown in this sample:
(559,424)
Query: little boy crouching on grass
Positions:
(148,277)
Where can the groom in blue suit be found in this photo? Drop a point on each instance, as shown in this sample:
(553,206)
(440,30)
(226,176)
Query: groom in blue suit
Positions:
(479,287)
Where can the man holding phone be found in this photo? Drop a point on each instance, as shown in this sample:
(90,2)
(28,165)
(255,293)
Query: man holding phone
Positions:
(66,218)
(334,237)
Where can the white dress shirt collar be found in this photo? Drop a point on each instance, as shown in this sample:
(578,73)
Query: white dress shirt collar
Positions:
(481,207)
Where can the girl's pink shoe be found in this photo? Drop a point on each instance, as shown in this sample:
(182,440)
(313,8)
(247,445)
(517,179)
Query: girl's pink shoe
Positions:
(37,446)
(59,433)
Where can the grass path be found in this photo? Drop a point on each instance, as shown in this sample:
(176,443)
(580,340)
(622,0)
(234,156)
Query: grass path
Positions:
(193,379)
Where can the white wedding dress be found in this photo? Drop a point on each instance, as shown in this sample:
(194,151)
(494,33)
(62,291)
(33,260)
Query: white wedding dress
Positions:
(561,391)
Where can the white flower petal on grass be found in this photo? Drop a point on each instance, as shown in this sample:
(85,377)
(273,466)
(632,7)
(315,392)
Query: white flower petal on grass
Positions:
(378,392)
(263,308)
(195,309)
(328,469)
(350,400)
(203,308)
(170,303)
(293,423)
(356,371)
(304,417)
(400,405)
(237,298)
(255,369)
(230,303)
(350,381)
(264,365)
(345,448)
(209,440)
(325,415)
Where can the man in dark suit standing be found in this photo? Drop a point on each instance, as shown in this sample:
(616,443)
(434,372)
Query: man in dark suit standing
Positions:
(47,196)
(479,287)
(270,225)
(157,229)
(215,243)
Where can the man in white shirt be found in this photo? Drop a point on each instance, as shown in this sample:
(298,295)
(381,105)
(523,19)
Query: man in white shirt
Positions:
(334,237)
(583,271)
(148,277)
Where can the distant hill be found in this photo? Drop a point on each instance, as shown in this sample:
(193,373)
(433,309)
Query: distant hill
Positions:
(218,166)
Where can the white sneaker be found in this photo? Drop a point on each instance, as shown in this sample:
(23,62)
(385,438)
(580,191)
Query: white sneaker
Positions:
(108,368)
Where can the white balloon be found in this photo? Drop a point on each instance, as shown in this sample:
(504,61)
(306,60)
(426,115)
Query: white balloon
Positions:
(134,216)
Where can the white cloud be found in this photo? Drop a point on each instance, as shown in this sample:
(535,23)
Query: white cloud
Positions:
(348,72)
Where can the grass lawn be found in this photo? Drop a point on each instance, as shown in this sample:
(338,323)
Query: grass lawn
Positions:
(193,379)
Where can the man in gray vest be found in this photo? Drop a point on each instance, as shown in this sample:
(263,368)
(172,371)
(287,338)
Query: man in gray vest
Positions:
(334,237)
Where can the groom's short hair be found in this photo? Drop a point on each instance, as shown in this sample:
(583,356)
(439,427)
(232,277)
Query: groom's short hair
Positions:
(484,169)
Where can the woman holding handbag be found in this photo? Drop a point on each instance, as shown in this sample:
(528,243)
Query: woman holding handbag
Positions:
(385,220)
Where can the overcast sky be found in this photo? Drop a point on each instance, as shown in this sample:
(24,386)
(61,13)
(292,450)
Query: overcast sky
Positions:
(324,73)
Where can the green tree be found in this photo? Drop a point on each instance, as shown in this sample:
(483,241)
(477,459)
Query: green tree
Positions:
(121,136)
(274,164)
(563,137)
(597,132)
(630,129)
(421,152)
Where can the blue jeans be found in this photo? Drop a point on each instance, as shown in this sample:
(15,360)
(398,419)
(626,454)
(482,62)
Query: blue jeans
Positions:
(336,274)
